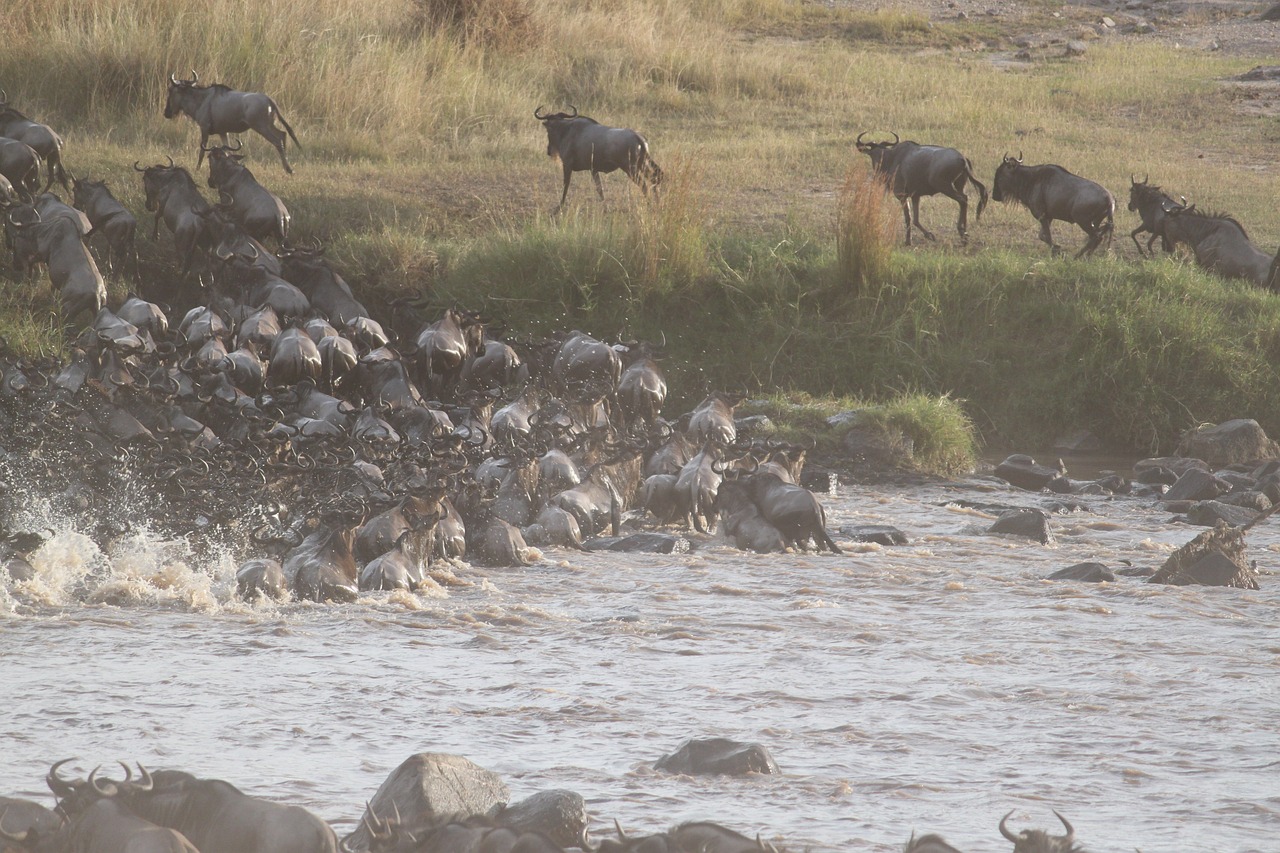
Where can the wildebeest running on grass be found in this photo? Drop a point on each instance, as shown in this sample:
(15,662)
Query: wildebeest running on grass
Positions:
(1051,192)
(220,109)
(912,170)
(1153,205)
(1220,244)
(582,144)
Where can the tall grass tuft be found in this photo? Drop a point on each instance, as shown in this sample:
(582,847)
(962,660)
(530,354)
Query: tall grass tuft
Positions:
(669,241)
(866,231)
(503,25)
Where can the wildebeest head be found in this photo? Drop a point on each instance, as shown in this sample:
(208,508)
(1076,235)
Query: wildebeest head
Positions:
(876,150)
(223,162)
(556,125)
(156,178)
(83,191)
(177,89)
(1039,841)
(1005,186)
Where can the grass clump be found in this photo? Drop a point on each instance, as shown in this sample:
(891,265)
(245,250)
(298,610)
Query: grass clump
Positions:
(866,231)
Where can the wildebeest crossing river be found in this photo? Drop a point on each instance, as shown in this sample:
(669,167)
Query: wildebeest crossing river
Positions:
(929,687)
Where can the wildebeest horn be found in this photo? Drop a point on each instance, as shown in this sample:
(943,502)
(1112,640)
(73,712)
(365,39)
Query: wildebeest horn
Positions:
(858,143)
(145,782)
(1071,833)
(106,789)
(575,111)
(1019,156)
(622,835)
(173,78)
(663,334)
(60,787)
(4,97)
(239,145)
(539,114)
(15,837)
(194,76)
(1005,831)
(170,159)
(896,138)
(137,167)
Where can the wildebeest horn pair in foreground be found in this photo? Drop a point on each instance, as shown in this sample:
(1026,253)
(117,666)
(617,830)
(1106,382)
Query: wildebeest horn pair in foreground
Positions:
(222,110)
(912,170)
(1051,192)
(582,144)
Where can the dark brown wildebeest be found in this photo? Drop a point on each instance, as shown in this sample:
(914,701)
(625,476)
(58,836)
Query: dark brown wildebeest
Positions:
(259,211)
(642,389)
(1220,245)
(444,347)
(72,271)
(328,291)
(220,109)
(1153,206)
(912,170)
(1051,192)
(582,144)
(20,163)
(174,198)
(1039,841)
(40,137)
(109,218)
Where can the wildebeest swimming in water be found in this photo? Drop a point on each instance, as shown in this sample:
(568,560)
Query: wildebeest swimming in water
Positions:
(1220,245)
(912,170)
(220,109)
(1051,192)
(1039,841)
(582,144)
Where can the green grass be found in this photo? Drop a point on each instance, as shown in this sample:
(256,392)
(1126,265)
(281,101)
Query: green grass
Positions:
(424,173)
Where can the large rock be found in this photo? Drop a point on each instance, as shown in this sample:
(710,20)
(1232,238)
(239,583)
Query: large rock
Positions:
(1209,513)
(1174,466)
(1022,471)
(717,756)
(1239,440)
(431,786)
(878,449)
(558,814)
(1030,523)
(1087,572)
(1214,558)
(1196,485)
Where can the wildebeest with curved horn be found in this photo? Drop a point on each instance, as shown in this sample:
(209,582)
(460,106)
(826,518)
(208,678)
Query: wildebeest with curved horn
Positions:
(220,109)
(174,198)
(1051,192)
(1220,244)
(72,271)
(582,144)
(259,211)
(42,139)
(1039,841)
(912,170)
(1153,206)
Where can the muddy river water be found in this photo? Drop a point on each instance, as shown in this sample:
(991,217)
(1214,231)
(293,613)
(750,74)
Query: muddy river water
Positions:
(928,687)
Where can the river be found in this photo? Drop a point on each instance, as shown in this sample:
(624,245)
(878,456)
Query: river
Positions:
(930,687)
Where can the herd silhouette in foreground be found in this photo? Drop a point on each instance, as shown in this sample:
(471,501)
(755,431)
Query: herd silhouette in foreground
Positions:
(172,811)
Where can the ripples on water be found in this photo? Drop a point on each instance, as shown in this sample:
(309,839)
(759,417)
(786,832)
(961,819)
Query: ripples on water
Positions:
(928,687)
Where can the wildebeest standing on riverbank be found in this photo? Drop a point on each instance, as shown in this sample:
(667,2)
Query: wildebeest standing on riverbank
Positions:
(1221,245)
(912,170)
(220,109)
(1051,192)
(582,144)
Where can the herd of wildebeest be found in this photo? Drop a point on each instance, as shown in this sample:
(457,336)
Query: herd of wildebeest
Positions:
(172,811)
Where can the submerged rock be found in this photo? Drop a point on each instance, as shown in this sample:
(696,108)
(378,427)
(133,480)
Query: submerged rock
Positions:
(1029,523)
(881,534)
(640,543)
(1087,572)
(718,756)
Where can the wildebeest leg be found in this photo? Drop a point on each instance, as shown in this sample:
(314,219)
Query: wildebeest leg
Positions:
(915,217)
(962,224)
(568,173)
(277,138)
(595,177)
(1095,240)
(1134,235)
(155,230)
(906,217)
(204,142)
(1046,236)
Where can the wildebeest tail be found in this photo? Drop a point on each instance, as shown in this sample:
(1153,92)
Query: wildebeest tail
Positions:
(982,189)
(284,123)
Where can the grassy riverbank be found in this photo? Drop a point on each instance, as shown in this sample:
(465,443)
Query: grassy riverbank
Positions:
(424,171)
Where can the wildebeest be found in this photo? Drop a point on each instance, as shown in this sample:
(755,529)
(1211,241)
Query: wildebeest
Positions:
(443,348)
(912,170)
(259,211)
(930,843)
(741,522)
(792,509)
(1153,206)
(20,163)
(642,389)
(220,109)
(174,198)
(215,815)
(1051,192)
(322,568)
(40,137)
(713,418)
(1039,841)
(109,218)
(692,837)
(582,144)
(72,271)
(328,291)
(585,369)
(17,817)
(106,826)
(50,207)
(1220,245)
